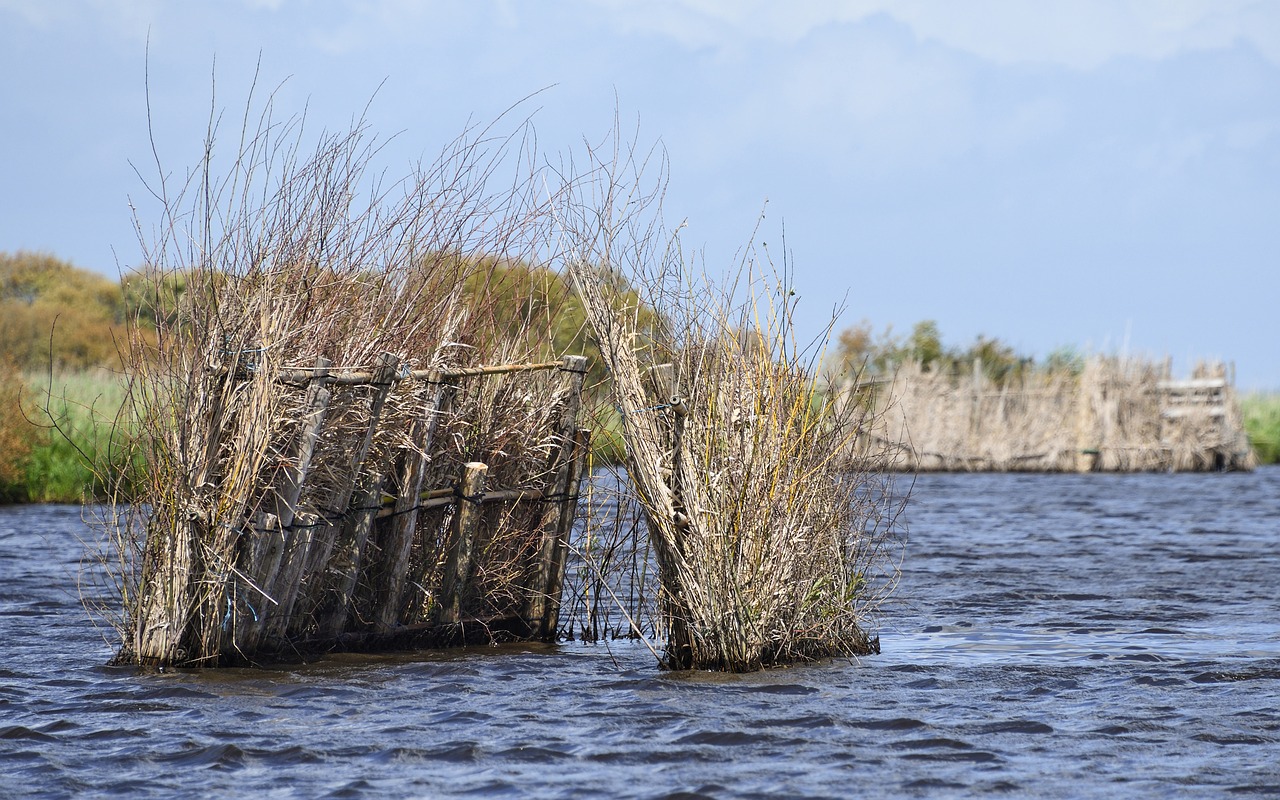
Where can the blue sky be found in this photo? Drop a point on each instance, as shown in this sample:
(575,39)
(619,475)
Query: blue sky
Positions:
(1098,173)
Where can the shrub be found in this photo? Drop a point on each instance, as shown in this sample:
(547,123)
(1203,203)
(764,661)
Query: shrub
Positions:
(16,434)
(54,315)
(1262,423)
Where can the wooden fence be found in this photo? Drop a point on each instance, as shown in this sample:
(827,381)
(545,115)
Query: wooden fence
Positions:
(391,517)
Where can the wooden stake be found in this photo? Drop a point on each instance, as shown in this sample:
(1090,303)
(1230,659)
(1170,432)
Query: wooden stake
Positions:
(550,621)
(399,544)
(466,523)
(283,579)
(561,465)
(343,569)
(317,405)
(164,615)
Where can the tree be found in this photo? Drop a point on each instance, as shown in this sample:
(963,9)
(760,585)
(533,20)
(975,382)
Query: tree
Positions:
(53,314)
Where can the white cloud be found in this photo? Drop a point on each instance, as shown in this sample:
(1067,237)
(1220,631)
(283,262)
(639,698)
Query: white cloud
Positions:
(1084,34)
(39,13)
(1081,34)
(879,86)
(129,18)
(855,97)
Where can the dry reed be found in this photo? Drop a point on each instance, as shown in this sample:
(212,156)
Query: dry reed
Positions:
(771,544)
(254,522)
(302,262)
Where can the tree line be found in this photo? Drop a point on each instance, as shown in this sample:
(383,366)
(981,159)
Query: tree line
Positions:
(861,351)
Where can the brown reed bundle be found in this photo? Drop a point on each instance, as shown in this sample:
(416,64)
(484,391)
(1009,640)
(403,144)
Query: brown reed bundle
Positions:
(771,544)
(286,261)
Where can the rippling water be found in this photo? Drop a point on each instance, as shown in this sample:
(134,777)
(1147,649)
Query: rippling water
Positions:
(1056,636)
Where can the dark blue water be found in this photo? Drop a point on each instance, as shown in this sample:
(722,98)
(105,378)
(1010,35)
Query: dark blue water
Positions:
(1055,636)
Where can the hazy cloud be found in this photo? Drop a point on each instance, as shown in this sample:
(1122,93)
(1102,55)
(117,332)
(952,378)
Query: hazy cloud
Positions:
(118,17)
(1081,34)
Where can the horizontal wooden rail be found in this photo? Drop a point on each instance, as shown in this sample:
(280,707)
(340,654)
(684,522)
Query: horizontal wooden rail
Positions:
(1195,384)
(497,369)
(362,378)
(446,497)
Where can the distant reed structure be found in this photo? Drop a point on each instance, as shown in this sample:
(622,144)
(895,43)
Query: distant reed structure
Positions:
(1113,415)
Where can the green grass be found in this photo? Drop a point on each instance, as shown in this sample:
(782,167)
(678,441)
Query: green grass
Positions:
(1262,423)
(73,418)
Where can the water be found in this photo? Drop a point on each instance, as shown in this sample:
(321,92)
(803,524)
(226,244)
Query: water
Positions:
(1057,636)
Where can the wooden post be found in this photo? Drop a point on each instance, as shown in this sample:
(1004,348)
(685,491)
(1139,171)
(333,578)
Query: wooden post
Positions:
(550,621)
(399,544)
(254,600)
(561,465)
(168,602)
(323,533)
(288,553)
(353,533)
(466,523)
(317,405)
(663,378)
(679,652)
(1087,441)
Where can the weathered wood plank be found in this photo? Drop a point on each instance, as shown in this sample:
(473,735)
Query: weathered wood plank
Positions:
(549,624)
(343,569)
(466,523)
(399,543)
(362,378)
(282,580)
(560,465)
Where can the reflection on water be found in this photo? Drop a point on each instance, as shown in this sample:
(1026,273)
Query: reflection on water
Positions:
(1056,636)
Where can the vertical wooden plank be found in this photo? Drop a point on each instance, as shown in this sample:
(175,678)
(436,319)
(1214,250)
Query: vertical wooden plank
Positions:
(253,601)
(165,615)
(560,465)
(317,406)
(662,376)
(399,543)
(319,537)
(550,621)
(1086,443)
(352,534)
(466,522)
(282,573)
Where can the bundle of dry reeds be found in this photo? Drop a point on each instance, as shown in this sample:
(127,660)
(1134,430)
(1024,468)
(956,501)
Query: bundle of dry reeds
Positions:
(293,487)
(289,263)
(771,543)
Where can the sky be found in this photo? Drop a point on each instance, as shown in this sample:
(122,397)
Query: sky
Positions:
(1101,174)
